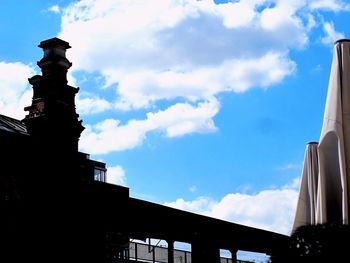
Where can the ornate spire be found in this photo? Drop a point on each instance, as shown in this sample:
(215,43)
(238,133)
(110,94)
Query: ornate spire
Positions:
(54,64)
(52,115)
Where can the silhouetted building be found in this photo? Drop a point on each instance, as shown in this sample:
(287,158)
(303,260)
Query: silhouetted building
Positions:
(55,204)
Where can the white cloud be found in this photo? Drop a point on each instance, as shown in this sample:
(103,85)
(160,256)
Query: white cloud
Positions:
(311,22)
(14,88)
(140,89)
(92,104)
(333,5)
(177,120)
(283,15)
(116,175)
(201,205)
(189,49)
(271,209)
(55,9)
(331,34)
(238,14)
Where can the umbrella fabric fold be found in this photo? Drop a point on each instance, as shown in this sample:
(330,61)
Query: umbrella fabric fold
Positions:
(334,146)
(306,206)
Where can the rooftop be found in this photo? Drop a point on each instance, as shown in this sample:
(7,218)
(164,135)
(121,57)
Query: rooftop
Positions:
(12,125)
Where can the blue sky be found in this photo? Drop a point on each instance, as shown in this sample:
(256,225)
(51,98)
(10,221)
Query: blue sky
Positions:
(199,105)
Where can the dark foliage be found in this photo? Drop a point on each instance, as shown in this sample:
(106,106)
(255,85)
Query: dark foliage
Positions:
(317,243)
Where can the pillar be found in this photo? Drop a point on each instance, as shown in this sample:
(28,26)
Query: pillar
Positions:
(204,251)
(170,251)
(233,255)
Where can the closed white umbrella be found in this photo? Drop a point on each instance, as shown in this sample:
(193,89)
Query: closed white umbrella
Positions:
(306,206)
(334,146)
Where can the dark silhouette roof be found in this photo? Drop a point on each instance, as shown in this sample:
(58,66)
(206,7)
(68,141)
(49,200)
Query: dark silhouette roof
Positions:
(12,125)
(53,42)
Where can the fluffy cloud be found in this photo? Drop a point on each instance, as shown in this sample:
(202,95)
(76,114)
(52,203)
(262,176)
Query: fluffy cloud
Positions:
(333,5)
(177,120)
(182,49)
(140,89)
(201,205)
(14,88)
(271,209)
(189,49)
(91,104)
(116,175)
(331,34)
(55,9)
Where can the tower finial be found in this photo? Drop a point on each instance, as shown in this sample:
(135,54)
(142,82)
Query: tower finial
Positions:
(52,113)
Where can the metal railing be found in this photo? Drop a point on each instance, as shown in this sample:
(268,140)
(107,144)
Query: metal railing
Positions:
(157,254)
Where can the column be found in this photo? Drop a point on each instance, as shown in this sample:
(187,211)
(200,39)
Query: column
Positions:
(205,252)
(170,251)
(233,255)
